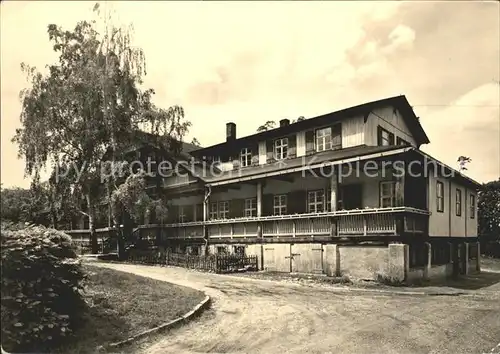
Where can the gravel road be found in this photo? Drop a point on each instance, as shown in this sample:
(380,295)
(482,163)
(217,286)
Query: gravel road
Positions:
(258,316)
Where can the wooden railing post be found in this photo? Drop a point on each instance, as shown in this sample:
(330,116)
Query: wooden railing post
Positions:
(365,225)
(333,226)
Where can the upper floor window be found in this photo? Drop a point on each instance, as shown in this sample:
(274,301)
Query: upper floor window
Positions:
(329,138)
(281,148)
(324,139)
(440,196)
(316,201)
(246,157)
(280,202)
(400,141)
(223,210)
(458,203)
(387,194)
(472,206)
(250,207)
(385,137)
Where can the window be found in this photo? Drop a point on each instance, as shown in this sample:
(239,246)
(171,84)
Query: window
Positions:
(316,201)
(387,194)
(213,211)
(246,157)
(239,250)
(250,207)
(400,141)
(458,203)
(385,138)
(223,210)
(440,196)
(280,204)
(281,148)
(221,249)
(328,203)
(472,206)
(324,139)
(182,214)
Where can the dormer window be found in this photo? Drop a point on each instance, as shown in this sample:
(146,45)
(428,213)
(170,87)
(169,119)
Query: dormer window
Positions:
(281,149)
(246,157)
(385,138)
(324,139)
(329,138)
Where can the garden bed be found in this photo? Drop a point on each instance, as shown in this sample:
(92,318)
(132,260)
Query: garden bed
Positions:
(124,305)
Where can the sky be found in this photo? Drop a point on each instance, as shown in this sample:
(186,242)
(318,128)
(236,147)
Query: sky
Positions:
(250,62)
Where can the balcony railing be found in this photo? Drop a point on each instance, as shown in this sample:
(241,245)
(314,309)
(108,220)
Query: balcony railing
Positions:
(358,222)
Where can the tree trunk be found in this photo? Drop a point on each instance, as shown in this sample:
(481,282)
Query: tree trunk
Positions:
(93,235)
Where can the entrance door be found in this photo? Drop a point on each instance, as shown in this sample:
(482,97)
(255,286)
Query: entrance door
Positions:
(351,197)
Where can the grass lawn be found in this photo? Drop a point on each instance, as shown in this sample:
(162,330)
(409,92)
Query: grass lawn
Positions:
(124,304)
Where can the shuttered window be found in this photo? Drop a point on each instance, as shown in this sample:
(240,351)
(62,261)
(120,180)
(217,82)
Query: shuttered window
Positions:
(250,207)
(316,201)
(458,202)
(472,206)
(245,157)
(440,196)
(281,149)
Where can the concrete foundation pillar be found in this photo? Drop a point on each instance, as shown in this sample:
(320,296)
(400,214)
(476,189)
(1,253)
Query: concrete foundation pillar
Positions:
(428,263)
(398,262)
(478,257)
(331,260)
(465,261)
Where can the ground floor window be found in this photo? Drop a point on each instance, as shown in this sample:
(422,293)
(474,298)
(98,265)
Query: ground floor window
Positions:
(239,250)
(280,202)
(316,201)
(250,207)
(221,250)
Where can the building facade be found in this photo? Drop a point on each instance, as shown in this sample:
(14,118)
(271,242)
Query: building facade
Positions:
(346,193)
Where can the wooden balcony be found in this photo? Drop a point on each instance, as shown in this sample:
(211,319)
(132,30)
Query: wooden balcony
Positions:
(346,223)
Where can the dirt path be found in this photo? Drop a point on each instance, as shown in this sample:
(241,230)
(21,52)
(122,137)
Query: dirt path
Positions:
(255,316)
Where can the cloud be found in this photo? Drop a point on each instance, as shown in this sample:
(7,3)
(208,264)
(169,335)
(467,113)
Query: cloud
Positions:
(469,126)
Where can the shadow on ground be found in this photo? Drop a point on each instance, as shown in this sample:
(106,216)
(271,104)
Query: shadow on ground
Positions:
(470,282)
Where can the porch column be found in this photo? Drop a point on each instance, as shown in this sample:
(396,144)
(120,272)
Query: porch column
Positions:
(259,199)
(465,253)
(334,186)
(428,263)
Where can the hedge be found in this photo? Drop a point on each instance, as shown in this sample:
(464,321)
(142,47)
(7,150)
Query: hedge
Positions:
(42,293)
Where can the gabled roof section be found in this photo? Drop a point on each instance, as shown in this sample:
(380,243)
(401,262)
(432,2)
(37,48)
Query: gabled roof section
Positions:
(398,102)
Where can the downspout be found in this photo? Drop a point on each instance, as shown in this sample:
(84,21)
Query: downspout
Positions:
(208,192)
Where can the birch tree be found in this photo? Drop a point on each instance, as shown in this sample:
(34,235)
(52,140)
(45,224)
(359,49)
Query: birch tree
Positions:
(88,105)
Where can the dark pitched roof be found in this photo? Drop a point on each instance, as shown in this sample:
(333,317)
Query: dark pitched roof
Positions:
(399,102)
(303,161)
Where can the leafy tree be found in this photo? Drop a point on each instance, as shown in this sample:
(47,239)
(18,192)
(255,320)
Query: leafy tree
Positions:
(16,204)
(462,162)
(266,126)
(195,142)
(131,200)
(89,106)
(489,212)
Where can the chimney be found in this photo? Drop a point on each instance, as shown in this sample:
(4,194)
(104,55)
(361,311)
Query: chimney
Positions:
(230,131)
(284,122)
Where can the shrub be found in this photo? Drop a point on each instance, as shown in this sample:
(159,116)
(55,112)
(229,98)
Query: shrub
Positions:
(42,294)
